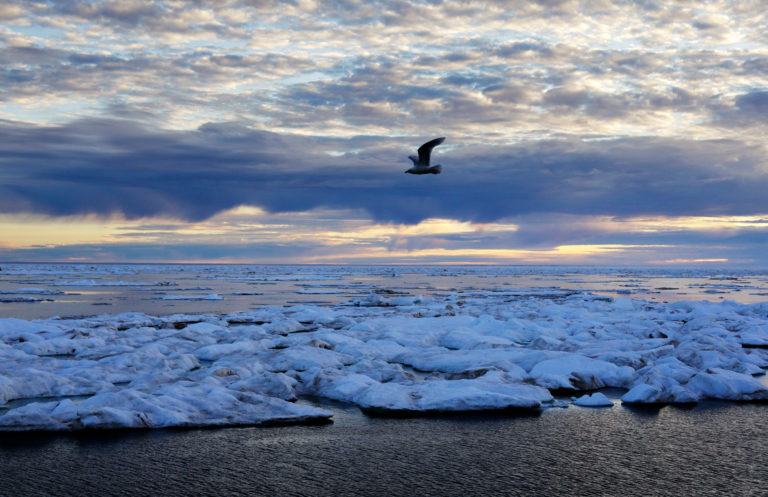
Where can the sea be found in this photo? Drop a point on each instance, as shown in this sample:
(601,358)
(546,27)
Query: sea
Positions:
(713,448)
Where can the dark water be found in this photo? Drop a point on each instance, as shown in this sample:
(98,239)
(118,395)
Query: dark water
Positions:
(714,449)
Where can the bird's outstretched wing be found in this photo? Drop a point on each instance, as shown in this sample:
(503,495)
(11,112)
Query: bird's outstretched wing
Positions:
(426,149)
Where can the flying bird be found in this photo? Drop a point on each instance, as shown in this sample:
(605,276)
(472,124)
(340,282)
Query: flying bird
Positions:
(421,163)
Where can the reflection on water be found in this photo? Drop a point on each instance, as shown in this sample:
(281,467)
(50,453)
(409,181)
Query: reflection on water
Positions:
(173,289)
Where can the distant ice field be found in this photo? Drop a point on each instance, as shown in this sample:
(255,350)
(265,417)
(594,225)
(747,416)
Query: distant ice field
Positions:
(32,291)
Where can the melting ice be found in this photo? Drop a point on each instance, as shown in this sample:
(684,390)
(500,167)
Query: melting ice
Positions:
(456,351)
(402,354)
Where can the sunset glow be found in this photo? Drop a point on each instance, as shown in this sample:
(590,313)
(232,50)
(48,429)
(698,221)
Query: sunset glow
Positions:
(587,132)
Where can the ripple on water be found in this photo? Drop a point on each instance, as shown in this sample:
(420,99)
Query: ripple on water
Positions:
(711,449)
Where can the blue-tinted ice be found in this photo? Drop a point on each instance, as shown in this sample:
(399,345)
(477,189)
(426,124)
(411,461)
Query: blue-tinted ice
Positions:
(414,340)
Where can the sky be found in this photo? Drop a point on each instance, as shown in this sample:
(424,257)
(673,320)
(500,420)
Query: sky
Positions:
(601,132)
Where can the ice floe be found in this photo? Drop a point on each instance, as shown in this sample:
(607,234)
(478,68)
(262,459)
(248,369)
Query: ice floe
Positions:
(31,291)
(22,298)
(385,353)
(110,283)
(210,296)
(596,399)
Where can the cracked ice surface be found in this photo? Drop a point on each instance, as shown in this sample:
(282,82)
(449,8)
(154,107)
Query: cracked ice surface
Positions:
(457,352)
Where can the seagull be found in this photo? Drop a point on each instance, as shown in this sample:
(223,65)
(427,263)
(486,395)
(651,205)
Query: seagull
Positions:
(421,163)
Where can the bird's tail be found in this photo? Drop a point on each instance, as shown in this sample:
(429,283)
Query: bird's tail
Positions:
(435,169)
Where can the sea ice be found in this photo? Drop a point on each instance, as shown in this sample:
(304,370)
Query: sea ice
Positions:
(404,354)
(578,372)
(30,291)
(110,283)
(596,399)
(413,396)
(171,406)
(210,296)
(22,298)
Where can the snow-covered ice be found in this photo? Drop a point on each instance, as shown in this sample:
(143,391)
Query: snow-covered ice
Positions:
(456,351)
(30,291)
(596,399)
(21,298)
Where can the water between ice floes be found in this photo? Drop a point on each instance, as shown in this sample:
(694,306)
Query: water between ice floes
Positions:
(32,291)
(715,448)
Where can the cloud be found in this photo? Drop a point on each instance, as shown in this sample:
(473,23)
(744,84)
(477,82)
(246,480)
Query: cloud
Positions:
(745,111)
(754,104)
(558,113)
(106,166)
(321,235)
(489,72)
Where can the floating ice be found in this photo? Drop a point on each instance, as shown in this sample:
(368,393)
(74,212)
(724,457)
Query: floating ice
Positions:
(385,354)
(171,406)
(596,399)
(110,283)
(22,298)
(30,291)
(492,392)
(210,296)
(578,372)
(755,337)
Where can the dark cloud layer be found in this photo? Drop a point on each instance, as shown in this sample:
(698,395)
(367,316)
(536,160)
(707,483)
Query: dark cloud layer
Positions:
(108,166)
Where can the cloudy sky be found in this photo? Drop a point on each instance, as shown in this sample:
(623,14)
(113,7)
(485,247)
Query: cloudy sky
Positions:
(599,132)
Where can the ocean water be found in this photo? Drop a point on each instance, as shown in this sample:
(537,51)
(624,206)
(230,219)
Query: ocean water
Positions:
(714,448)
(160,289)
